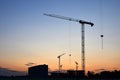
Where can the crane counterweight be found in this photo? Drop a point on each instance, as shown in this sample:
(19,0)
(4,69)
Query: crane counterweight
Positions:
(85,22)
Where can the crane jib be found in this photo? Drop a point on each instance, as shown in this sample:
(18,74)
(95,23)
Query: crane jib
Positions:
(68,18)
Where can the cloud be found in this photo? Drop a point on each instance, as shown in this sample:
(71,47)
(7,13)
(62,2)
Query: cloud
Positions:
(99,70)
(30,64)
(8,72)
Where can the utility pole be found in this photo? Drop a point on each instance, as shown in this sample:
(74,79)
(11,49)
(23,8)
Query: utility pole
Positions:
(82,22)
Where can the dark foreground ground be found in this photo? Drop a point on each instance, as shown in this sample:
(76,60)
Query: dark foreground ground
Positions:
(26,78)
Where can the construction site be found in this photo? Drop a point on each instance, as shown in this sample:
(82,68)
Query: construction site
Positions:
(41,71)
(59,40)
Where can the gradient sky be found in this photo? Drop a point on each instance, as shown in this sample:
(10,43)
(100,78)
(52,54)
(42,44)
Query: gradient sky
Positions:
(26,35)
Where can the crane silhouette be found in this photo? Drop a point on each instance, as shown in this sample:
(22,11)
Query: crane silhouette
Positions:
(82,22)
(59,65)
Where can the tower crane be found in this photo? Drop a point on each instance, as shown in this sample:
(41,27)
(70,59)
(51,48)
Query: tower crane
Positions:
(82,22)
(59,65)
(76,65)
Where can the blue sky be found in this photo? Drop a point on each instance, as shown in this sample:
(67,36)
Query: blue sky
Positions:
(25,33)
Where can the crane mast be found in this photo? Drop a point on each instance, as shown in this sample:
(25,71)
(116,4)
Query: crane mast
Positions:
(82,22)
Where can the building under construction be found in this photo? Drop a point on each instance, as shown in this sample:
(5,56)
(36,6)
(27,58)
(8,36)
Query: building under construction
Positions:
(68,73)
(38,71)
(41,71)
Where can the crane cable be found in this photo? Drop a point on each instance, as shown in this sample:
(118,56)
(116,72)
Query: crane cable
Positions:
(69,40)
(101,22)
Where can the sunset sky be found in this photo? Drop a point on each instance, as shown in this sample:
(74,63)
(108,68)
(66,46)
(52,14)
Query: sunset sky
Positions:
(26,35)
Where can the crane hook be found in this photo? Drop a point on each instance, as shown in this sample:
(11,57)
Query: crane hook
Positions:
(102,40)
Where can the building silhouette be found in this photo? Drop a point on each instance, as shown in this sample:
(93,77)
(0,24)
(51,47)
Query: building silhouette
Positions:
(75,73)
(38,71)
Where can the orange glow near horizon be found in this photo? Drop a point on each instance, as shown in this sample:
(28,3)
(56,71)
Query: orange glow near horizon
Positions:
(92,63)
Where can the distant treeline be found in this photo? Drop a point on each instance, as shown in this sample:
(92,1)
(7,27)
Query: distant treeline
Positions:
(109,75)
(104,74)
